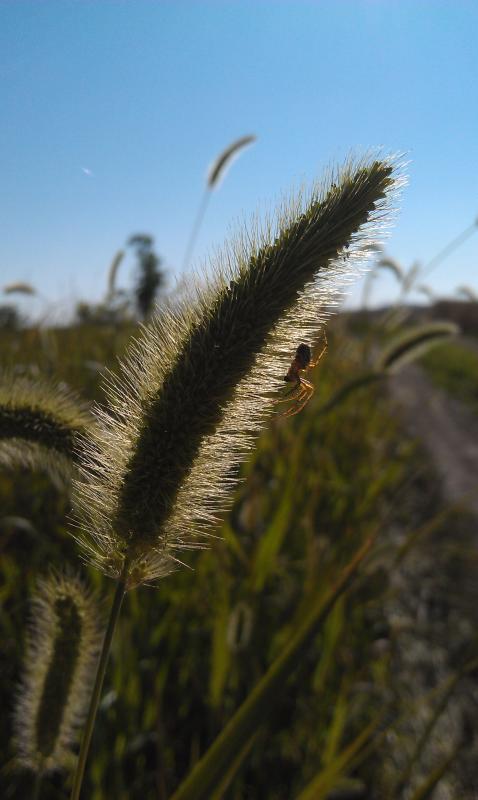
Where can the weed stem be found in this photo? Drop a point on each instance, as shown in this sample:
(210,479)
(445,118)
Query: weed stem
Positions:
(37,785)
(197,224)
(100,674)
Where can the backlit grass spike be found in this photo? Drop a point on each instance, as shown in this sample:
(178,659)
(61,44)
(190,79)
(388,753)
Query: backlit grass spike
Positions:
(198,386)
(61,650)
(40,424)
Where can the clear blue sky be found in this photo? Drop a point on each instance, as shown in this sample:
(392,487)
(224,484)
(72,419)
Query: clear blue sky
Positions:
(145,94)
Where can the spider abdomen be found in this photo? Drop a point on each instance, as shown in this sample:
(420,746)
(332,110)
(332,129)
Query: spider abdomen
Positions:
(303,356)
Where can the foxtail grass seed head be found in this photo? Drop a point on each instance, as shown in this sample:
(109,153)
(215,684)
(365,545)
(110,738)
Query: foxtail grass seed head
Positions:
(414,343)
(19,287)
(393,266)
(427,291)
(468,293)
(224,160)
(40,424)
(113,272)
(200,383)
(61,651)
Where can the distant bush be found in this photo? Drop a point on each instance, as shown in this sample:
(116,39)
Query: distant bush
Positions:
(10,318)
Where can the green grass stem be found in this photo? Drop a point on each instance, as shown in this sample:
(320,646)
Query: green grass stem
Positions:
(98,685)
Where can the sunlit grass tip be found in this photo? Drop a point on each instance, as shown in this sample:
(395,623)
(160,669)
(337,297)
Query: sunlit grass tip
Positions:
(61,651)
(224,160)
(197,387)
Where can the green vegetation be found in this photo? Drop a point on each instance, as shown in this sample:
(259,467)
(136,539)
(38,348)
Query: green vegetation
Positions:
(188,653)
(293,662)
(454,367)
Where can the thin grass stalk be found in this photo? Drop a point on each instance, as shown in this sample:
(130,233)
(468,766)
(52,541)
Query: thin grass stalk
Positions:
(367,288)
(450,247)
(196,228)
(410,709)
(428,730)
(327,778)
(37,785)
(427,788)
(216,172)
(98,685)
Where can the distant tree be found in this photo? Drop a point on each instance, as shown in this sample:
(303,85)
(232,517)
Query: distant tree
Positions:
(149,276)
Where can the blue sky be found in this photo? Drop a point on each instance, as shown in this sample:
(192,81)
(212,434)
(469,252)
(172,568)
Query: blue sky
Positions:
(145,94)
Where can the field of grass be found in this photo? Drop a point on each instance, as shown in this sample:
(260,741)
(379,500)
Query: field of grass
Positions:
(187,653)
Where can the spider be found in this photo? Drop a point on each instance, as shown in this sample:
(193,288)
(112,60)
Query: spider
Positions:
(302,389)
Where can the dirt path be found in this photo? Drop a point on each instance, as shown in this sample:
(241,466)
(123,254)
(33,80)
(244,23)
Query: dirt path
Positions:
(436,593)
(447,429)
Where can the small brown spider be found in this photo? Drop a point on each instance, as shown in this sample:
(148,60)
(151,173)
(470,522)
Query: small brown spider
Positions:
(302,389)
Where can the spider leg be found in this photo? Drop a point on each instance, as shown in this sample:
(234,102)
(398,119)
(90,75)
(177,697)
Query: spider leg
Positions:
(286,399)
(288,395)
(300,402)
(319,356)
(304,393)
(307,385)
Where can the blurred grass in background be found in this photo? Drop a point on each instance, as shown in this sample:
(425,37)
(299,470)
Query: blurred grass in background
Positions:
(188,652)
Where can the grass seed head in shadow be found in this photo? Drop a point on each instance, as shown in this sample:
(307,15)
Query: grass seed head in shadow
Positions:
(40,424)
(19,287)
(413,344)
(198,386)
(61,651)
(225,159)
(113,273)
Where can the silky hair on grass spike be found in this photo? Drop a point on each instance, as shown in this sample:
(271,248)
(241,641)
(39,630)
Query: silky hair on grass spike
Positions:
(41,424)
(199,384)
(61,650)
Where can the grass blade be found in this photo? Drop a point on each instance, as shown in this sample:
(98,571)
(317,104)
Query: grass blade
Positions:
(210,770)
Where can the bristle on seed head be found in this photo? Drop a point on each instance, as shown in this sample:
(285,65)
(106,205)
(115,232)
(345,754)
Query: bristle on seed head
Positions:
(40,425)
(199,384)
(62,646)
